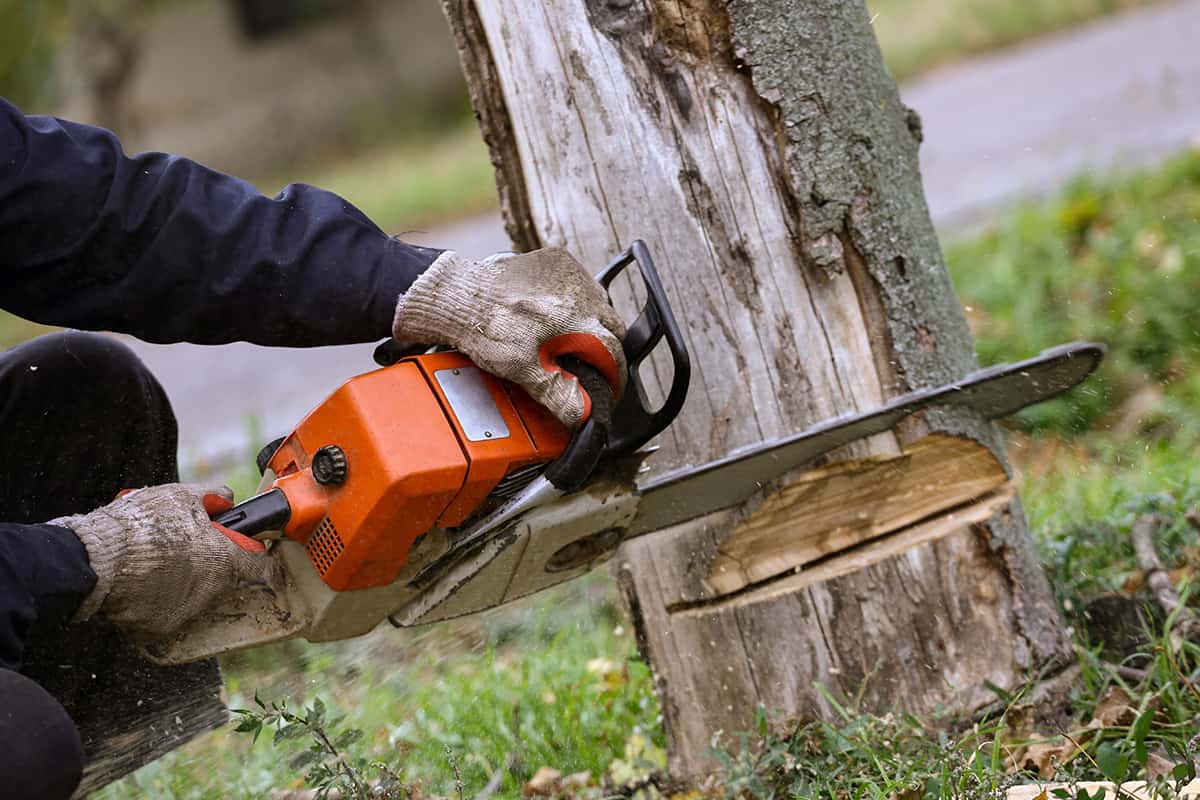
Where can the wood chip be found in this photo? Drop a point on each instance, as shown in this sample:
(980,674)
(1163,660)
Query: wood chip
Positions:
(1135,790)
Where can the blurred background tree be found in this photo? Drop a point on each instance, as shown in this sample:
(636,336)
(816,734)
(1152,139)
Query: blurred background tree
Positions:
(107,38)
(30,39)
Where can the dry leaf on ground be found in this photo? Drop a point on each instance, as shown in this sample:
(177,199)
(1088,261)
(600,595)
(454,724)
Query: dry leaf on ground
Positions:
(1115,708)
(546,782)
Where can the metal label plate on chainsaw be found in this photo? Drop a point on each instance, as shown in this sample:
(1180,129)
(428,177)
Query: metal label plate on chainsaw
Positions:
(472,403)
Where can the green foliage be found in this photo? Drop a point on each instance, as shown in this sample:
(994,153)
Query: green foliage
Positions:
(863,756)
(919,35)
(858,755)
(1115,261)
(1082,511)
(552,682)
(30,34)
(329,768)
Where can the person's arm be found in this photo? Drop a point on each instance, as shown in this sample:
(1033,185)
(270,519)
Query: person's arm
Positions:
(44,576)
(165,249)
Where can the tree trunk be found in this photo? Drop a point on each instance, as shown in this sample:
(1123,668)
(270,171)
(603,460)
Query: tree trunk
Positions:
(762,151)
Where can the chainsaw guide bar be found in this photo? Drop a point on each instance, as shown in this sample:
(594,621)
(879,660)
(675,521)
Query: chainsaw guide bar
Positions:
(995,392)
(474,580)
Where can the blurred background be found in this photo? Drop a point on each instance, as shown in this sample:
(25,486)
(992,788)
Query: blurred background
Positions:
(360,96)
(1062,170)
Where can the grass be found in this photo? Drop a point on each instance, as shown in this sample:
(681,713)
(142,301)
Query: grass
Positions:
(1116,260)
(555,680)
(547,683)
(920,35)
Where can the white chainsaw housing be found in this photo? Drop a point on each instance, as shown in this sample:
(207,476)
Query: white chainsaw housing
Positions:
(525,558)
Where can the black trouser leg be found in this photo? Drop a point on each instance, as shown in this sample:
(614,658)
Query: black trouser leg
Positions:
(42,754)
(81,419)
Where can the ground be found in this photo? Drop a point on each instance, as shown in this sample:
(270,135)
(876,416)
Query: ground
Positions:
(555,681)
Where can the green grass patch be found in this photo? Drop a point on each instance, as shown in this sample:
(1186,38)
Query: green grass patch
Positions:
(548,682)
(1116,261)
(14,330)
(919,35)
(1122,730)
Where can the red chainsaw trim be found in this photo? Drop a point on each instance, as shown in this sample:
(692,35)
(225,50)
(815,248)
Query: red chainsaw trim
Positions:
(215,504)
(588,348)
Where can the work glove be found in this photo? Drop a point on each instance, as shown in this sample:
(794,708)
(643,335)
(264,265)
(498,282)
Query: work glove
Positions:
(515,316)
(160,561)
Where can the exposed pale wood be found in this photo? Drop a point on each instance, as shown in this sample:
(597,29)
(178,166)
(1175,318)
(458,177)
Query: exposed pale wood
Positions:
(597,153)
(128,710)
(877,625)
(850,561)
(833,509)
(761,150)
(1133,790)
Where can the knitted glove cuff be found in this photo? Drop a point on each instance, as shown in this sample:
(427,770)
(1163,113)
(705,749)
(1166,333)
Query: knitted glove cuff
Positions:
(105,538)
(443,303)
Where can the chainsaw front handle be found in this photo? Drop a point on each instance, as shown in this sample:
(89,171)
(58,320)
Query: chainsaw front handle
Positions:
(635,420)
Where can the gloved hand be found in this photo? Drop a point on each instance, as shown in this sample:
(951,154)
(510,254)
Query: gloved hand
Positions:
(514,315)
(160,561)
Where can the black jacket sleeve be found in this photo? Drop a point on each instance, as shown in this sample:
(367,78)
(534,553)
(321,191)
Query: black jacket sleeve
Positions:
(165,249)
(44,576)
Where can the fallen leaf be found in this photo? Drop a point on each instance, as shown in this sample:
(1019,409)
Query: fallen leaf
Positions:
(1157,766)
(546,782)
(1115,708)
(1134,582)
(576,781)
(611,674)
(1046,757)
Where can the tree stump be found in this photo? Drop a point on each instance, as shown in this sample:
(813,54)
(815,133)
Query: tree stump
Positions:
(761,149)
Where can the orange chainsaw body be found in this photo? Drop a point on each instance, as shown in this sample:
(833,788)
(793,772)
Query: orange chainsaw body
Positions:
(422,443)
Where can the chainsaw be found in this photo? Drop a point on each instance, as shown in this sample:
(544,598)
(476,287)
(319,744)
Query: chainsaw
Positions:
(429,489)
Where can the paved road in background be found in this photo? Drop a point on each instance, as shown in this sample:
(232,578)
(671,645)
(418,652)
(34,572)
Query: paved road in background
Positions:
(1120,92)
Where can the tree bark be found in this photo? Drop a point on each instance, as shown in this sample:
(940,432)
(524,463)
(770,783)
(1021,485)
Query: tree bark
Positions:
(762,151)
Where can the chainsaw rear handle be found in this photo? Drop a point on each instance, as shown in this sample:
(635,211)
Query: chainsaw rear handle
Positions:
(571,470)
(268,511)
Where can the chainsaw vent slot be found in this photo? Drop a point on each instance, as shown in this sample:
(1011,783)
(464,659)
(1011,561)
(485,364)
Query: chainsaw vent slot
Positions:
(516,480)
(324,546)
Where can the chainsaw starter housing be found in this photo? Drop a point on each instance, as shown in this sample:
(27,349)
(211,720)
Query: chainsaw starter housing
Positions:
(421,444)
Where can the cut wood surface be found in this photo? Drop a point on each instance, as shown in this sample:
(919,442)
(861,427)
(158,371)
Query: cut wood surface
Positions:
(762,151)
(866,555)
(830,510)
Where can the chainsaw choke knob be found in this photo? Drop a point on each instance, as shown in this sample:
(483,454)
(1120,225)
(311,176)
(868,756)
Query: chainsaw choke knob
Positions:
(329,465)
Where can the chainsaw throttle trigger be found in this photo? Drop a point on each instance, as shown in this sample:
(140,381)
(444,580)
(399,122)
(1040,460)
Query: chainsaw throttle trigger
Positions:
(268,511)
(635,422)
(574,467)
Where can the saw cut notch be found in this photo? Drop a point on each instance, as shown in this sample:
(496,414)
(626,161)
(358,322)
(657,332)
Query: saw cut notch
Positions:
(837,508)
